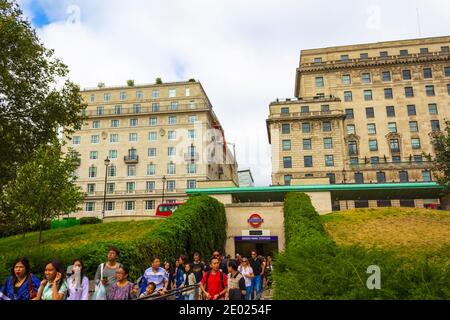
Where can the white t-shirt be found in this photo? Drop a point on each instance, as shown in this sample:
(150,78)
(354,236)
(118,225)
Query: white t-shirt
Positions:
(246,272)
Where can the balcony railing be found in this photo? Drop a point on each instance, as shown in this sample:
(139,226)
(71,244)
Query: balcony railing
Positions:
(157,192)
(308,115)
(191,156)
(392,165)
(131,159)
(111,111)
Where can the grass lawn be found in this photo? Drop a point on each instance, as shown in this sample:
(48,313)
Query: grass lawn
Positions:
(77,236)
(411,233)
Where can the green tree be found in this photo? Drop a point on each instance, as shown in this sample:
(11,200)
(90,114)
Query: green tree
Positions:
(441,162)
(36,97)
(44,187)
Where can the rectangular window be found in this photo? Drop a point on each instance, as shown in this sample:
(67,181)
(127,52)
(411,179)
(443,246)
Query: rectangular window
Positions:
(133,122)
(329,161)
(447,72)
(131,186)
(171,185)
(122,96)
(332,178)
(415,143)
(352,148)
(404,53)
(287,162)
(386,76)
(155,94)
(151,170)
(432,109)
(418,158)
(371,128)
(435,126)
(286,145)
(173,106)
(359,178)
(307,144)
(304,109)
(171,168)
(370,113)
(187,92)
(172,120)
(115,123)
(91,188)
(306,127)
(413,126)
(319,82)
(172,135)
(374,160)
(76,140)
(396,159)
(92,97)
(139,95)
(112,154)
(426,176)
(390,111)
(100,111)
(423,50)
(351,129)
(445,49)
(366,78)
(133,137)
(403,175)
(373,145)
(285,128)
(326,126)
(192,184)
(155,107)
(430,91)
(406,74)
(409,92)
(411,110)
(364,56)
(388,94)
(106,97)
(448,89)
(192,134)
(110,206)
(152,136)
(153,121)
(96,124)
(394,145)
(112,171)
(325,108)
(349,114)
(93,155)
(348,96)
(287,180)
(317,60)
(381,177)
(368,95)
(427,73)
(192,119)
(152,152)
(384,54)
(131,170)
(354,161)
(346,79)
(95,139)
(308,161)
(392,127)
(136,108)
(118,109)
(129,205)
(344,57)
(171,151)
(150,204)
(328,143)
(284,110)
(191,168)
(172,93)
(92,172)
(90,206)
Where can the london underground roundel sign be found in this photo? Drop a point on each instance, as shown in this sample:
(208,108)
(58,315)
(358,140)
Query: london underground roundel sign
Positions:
(255,220)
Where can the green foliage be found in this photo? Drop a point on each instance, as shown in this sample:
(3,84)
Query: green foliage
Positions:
(90,220)
(130,83)
(44,188)
(198,225)
(158,81)
(31,107)
(441,162)
(191,80)
(314,267)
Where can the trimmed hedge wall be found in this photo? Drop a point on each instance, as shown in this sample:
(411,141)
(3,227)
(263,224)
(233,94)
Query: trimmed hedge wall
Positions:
(313,267)
(198,225)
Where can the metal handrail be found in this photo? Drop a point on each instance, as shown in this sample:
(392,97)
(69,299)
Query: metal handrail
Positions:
(170,293)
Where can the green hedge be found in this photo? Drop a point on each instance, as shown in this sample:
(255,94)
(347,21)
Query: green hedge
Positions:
(90,220)
(198,225)
(314,267)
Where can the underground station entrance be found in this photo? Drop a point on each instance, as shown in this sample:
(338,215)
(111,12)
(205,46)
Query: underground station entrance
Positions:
(265,246)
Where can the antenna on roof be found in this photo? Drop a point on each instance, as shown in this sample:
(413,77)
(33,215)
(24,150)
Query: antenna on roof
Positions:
(418,22)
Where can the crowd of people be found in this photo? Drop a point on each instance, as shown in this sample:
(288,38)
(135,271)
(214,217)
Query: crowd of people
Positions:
(220,278)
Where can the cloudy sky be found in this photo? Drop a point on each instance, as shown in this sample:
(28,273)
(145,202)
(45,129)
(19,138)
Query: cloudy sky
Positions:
(244,52)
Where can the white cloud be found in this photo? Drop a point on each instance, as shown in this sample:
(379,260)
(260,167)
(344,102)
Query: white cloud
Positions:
(244,52)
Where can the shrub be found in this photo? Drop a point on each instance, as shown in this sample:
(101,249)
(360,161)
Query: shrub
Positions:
(314,267)
(90,220)
(198,225)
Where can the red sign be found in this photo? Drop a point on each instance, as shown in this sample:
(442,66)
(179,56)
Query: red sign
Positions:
(255,220)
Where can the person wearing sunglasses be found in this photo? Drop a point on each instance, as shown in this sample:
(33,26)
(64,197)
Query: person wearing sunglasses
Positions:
(246,270)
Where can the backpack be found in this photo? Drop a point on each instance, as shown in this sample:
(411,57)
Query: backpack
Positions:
(221,280)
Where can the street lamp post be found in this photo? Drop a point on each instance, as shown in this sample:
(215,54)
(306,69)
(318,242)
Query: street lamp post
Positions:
(164,182)
(107,162)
